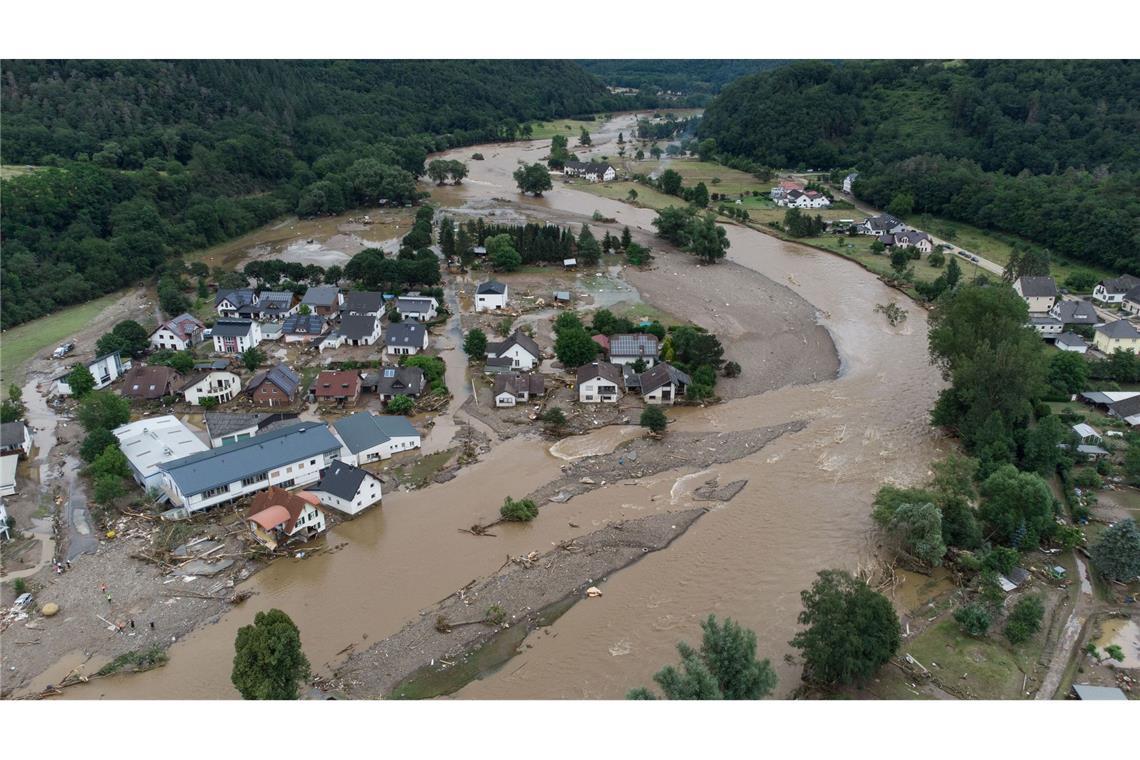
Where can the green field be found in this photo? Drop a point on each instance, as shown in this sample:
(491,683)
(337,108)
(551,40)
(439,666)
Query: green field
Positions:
(8,171)
(693,171)
(22,342)
(993,668)
(568,127)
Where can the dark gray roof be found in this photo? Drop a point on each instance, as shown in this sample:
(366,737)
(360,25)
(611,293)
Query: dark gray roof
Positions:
(365,430)
(1038,287)
(12,433)
(910,237)
(408,381)
(342,480)
(1044,320)
(634,344)
(662,374)
(362,302)
(882,222)
(303,324)
(219,424)
(239,297)
(1121,284)
(405,334)
(1133,295)
(1121,328)
(518,338)
(216,467)
(1076,313)
(414,304)
(632,379)
(1129,407)
(1071,339)
(213,364)
(515,383)
(491,286)
(232,328)
(281,376)
(357,326)
(323,295)
(605,370)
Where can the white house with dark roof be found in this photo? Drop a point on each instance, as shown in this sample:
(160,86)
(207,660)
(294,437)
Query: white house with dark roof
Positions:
(105,369)
(324,300)
(849,182)
(1119,335)
(1068,341)
(628,348)
(663,384)
(221,385)
(1039,293)
(491,295)
(15,438)
(416,307)
(804,199)
(363,302)
(883,224)
(1046,326)
(290,456)
(594,172)
(303,328)
(1130,304)
(599,382)
(389,382)
(405,338)
(1114,290)
(228,302)
(371,437)
(234,336)
(270,304)
(521,349)
(356,330)
(916,239)
(179,334)
(511,388)
(348,489)
(1075,313)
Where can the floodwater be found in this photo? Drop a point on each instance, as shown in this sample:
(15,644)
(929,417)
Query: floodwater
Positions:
(1125,633)
(806,506)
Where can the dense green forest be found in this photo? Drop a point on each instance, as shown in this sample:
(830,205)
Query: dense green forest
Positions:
(1046,150)
(149,159)
(694,79)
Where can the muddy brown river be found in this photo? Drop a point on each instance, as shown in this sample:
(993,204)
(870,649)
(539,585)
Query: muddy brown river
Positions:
(805,508)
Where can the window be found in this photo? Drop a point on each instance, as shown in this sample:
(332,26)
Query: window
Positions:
(252,479)
(312,461)
(216,491)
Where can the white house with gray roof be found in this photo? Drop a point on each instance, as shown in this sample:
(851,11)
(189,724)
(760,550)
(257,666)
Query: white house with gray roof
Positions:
(348,489)
(520,349)
(417,307)
(234,336)
(491,295)
(105,369)
(371,437)
(1114,290)
(1039,293)
(405,338)
(292,455)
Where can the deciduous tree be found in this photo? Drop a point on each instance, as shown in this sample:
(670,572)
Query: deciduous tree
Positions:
(268,660)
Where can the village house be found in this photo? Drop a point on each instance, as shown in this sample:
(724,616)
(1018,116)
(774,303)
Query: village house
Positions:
(512,388)
(520,348)
(1120,334)
(1113,291)
(491,295)
(915,239)
(348,489)
(804,199)
(290,456)
(8,464)
(663,384)
(389,382)
(599,382)
(210,382)
(178,334)
(362,303)
(152,442)
(360,329)
(228,302)
(785,186)
(105,369)
(276,386)
(405,338)
(303,328)
(277,517)
(225,428)
(628,348)
(324,300)
(371,437)
(590,171)
(1075,313)
(416,307)
(15,438)
(336,386)
(1069,341)
(1046,326)
(883,224)
(270,304)
(5,533)
(1126,409)
(235,336)
(849,182)
(150,382)
(1130,304)
(1039,293)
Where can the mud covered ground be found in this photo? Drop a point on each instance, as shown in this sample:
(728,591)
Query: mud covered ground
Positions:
(521,590)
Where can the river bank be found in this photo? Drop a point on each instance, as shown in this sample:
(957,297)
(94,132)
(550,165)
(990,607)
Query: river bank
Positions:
(519,595)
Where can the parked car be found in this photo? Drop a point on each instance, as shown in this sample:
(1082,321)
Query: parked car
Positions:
(63,351)
(22,601)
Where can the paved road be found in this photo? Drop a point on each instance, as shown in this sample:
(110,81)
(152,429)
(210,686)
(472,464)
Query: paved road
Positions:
(81,538)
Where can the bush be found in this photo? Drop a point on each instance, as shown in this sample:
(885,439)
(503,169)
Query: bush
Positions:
(554,417)
(400,404)
(520,510)
(731,369)
(1025,620)
(974,619)
(654,419)
(1087,479)
(19,586)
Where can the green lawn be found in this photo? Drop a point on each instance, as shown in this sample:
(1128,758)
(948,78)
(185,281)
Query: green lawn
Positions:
(569,127)
(22,342)
(8,171)
(693,171)
(993,668)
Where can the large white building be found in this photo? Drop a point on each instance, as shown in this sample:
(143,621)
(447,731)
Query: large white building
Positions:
(150,443)
(289,456)
(348,489)
(371,437)
(491,296)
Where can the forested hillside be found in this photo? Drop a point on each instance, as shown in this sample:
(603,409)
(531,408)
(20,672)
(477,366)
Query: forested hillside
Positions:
(1047,150)
(695,79)
(153,158)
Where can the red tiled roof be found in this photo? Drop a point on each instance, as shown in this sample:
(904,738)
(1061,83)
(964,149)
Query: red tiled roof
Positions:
(333,384)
